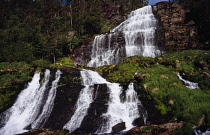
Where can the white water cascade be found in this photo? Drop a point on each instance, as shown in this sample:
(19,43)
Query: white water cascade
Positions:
(85,99)
(198,131)
(188,84)
(118,111)
(31,110)
(139,35)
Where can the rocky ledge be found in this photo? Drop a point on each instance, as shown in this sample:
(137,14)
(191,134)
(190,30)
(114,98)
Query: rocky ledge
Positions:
(164,129)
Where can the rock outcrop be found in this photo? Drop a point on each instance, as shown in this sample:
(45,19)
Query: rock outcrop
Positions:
(81,55)
(164,129)
(175,32)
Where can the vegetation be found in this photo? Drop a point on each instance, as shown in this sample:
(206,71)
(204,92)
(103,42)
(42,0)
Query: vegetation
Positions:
(13,76)
(49,30)
(42,34)
(158,77)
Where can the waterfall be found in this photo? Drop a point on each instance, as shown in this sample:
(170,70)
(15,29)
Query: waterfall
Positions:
(201,130)
(85,98)
(31,109)
(119,111)
(138,32)
(49,103)
(188,84)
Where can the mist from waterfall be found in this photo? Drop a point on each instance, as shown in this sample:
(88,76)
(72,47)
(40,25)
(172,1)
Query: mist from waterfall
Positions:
(138,32)
(31,110)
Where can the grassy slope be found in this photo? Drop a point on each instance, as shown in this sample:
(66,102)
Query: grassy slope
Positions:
(159,78)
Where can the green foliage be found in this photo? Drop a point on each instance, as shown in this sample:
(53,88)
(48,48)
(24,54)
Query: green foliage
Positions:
(65,61)
(185,130)
(158,77)
(12,77)
(194,63)
(41,63)
(147,129)
(34,31)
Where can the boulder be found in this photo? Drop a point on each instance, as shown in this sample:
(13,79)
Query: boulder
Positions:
(118,127)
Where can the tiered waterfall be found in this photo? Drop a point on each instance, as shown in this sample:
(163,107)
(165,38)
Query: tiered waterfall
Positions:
(134,36)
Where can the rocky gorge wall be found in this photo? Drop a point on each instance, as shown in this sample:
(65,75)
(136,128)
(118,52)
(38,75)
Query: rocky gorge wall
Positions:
(175,32)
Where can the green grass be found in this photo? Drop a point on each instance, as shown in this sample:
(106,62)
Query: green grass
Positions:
(194,63)
(13,76)
(161,82)
(65,61)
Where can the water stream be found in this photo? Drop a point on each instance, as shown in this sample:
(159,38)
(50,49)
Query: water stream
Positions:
(188,84)
(138,33)
(31,109)
(85,98)
(118,111)
(122,111)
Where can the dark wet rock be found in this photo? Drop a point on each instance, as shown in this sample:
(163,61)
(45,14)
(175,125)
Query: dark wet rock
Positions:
(138,122)
(93,120)
(68,91)
(118,127)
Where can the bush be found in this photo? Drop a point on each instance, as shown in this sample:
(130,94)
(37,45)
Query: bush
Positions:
(41,63)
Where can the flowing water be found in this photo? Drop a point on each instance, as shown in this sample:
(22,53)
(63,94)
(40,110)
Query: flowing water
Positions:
(118,111)
(30,110)
(85,98)
(138,32)
(201,130)
(188,84)
(122,111)
(134,36)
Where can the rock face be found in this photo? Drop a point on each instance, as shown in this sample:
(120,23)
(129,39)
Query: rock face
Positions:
(118,127)
(68,91)
(164,129)
(175,32)
(112,12)
(82,54)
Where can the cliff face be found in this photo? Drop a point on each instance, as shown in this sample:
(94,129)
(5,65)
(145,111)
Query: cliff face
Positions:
(174,32)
